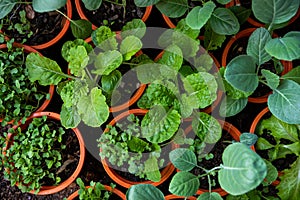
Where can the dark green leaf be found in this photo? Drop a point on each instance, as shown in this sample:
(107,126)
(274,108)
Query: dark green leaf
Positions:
(172,8)
(272,173)
(183,159)
(230,107)
(111,81)
(212,40)
(184,184)
(81,28)
(248,139)
(136,28)
(224,22)
(210,196)
(6,7)
(47,5)
(143,3)
(145,192)
(241,13)
(92,5)
(294,75)
(223,2)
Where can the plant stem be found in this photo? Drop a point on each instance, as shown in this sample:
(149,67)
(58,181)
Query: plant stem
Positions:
(119,4)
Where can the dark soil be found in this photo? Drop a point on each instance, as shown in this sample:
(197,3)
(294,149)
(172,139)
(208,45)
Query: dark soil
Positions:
(114,14)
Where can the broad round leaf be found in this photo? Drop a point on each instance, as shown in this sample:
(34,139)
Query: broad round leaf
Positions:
(92,5)
(274,11)
(6,7)
(230,107)
(107,62)
(184,184)
(47,5)
(172,57)
(256,45)
(241,73)
(104,38)
(130,46)
(183,159)
(199,16)
(81,28)
(210,196)
(69,116)
(136,28)
(243,170)
(143,3)
(145,192)
(172,8)
(224,22)
(284,102)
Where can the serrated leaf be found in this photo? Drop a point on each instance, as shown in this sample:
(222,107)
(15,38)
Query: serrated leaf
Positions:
(104,38)
(107,62)
(272,79)
(224,22)
(230,107)
(6,7)
(184,184)
(212,40)
(172,8)
(92,5)
(47,5)
(293,75)
(136,28)
(183,159)
(130,46)
(145,192)
(81,28)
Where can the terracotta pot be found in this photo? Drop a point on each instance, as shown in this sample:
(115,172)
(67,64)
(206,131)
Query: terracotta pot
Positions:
(108,188)
(256,23)
(172,196)
(165,173)
(80,11)
(172,25)
(235,133)
(29,49)
(46,190)
(288,65)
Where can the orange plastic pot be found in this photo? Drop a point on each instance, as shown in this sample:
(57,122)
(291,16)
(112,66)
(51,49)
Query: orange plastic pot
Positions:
(29,49)
(173,197)
(83,16)
(288,65)
(108,188)
(46,190)
(165,173)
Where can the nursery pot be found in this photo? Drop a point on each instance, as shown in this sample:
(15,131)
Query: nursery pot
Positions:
(108,188)
(174,197)
(28,49)
(46,190)
(80,11)
(246,34)
(165,173)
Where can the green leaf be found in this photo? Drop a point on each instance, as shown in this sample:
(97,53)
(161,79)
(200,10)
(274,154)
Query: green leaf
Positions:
(272,173)
(184,184)
(263,144)
(241,13)
(183,28)
(44,70)
(293,75)
(104,38)
(188,45)
(136,28)
(275,11)
(81,28)
(224,22)
(289,187)
(47,5)
(111,81)
(207,128)
(152,169)
(136,144)
(199,16)
(92,5)
(67,46)
(107,62)
(143,3)
(148,72)
(145,192)
(272,79)
(256,45)
(183,159)
(130,46)
(78,60)
(69,116)
(212,40)
(230,107)
(242,69)
(159,125)
(284,102)
(242,170)
(172,8)
(285,48)
(187,105)
(172,57)
(248,139)
(93,108)
(6,7)
(204,86)
(210,196)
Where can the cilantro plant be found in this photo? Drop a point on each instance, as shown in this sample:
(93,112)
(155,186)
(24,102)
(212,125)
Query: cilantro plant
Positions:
(83,97)
(34,154)
(19,96)
(95,191)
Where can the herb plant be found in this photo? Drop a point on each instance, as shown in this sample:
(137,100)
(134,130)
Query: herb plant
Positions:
(34,154)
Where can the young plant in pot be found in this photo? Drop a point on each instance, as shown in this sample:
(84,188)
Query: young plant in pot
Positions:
(41,156)
(82,94)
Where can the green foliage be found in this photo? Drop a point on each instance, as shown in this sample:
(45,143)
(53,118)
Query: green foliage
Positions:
(136,28)
(212,40)
(241,13)
(293,75)
(210,196)
(35,153)
(144,191)
(230,106)
(172,8)
(6,7)
(183,159)
(248,139)
(81,28)
(47,5)
(104,38)
(92,5)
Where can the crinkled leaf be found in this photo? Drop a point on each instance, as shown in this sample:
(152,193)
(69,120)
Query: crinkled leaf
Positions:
(104,38)
(69,116)
(159,125)
(241,13)
(224,22)
(210,196)
(242,69)
(43,70)
(272,79)
(130,46)
(183,159)
(136,28)
(212,40)
(93,108)
(152,169)
(145,192)
(67,46)
(293,75)
(256,45)
(284,102)
(47,5)
(184,184)
(172,58)
(78,60)
(242,172)
(182,27)
(230,106)
(172,8)
(6,7)
(81,28)
(248,139)
(107,62)
(92,5)
(199,16)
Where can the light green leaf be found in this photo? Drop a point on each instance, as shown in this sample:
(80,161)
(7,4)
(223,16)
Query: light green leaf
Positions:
(172,58)
(210,196)
(81,28)
(93,109)
(199,16)
(284,102)
(47,5)
(256,45)
(104,38)
(187,105)
(224,22)
(92,5)
(145,192)
(69,116)
(152,169)
(263,144)
(130,46)
(185,29)
(159,125)
(136,144)
(272,79)
(68,45)
(242,69)
(143,3)
(172,8)
(212,40)
(242,172)
(275,11)
(107,62)
(230,107)
(183,159)
(295,148)
(6,7)
(136,28)
(78,60)
(293,75)
(44,70)
(148,72)
(184,184)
